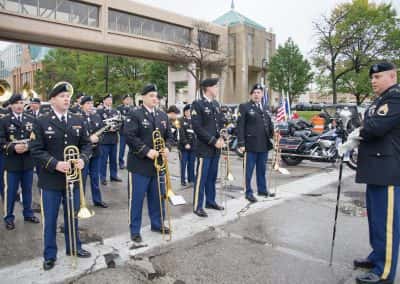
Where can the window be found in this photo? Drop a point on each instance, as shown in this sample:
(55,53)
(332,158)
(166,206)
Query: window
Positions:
(138,25)
(69,11)
(250,46)
(208,40)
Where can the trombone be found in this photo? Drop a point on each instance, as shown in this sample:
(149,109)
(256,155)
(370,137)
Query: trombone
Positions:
(73,176)
(225,168)
(163,181)
(276,160)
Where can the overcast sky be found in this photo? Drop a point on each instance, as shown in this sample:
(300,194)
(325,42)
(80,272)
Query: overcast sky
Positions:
(286,18)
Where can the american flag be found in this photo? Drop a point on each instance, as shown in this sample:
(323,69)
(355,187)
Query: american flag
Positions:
(265,97)
(281,113)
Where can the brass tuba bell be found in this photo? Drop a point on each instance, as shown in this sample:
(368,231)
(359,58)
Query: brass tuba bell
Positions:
(5,91)
(28,93)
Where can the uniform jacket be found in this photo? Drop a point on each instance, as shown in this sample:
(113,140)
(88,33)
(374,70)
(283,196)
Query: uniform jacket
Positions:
(186,134)
(254,128)
(379,151)
(10,130)
(207,121)
(138,132)
(47,147)
(124,110)
(109,137)
(94,123)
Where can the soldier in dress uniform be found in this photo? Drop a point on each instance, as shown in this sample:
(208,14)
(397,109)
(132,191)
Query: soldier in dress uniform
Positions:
(108,143)
(186,147)
(378,166)
(3,111)
(34,107)
(15,131)
(52,133)
(76,108)
(94,123)
(123,109)
(173,113)
(142,174)
(255,130)
(207,122)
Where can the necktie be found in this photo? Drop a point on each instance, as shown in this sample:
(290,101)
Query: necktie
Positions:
(63,121)
(19,118)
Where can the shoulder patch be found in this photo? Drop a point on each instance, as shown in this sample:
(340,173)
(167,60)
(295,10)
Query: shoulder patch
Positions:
(383,110)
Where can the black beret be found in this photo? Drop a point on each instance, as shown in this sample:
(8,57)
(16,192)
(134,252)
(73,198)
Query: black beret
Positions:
(15,98)
(79,95)
(60,88)
(107,96)
(173,109)
(126,96)
(149,88)
(86,99)
(209,82)
(256,87)
(381,67)
(187,107)
(35,101)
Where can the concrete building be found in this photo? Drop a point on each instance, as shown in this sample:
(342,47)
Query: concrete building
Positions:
(22,62)
(129,28)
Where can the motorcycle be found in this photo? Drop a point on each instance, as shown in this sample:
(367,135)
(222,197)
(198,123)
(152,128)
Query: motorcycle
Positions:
(298,145)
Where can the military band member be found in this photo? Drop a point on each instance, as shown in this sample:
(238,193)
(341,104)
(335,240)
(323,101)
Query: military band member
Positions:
(53,132)
(123,109)
(76,108)
(173,113)
(94,123)
(186,147)
(34,107)
(378,166)
(142,174)
(108,143)
(3,111)
(255,130)
(18,164)
(207,123)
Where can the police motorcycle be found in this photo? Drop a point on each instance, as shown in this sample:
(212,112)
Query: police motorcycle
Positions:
(297,145)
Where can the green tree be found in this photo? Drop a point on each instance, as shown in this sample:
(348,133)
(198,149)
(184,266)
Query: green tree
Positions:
(351,38)
(88,73)
(289,71)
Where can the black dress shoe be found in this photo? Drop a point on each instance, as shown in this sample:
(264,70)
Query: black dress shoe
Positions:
(117,179)
(82,253)
(136,238)
(10,225)
(214,206)
(48,264)
(166,230)
(183,183)
(32,219)
(121,167)
(363,263)
(200,213)
(266,194)
(371,278)
(251,198)
(101,204)
(104,182)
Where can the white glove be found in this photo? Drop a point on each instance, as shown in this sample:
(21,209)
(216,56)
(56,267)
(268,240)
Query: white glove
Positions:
(353,140)
(355,135)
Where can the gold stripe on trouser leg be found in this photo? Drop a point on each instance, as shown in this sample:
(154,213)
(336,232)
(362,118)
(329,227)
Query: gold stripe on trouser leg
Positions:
(130,179)
(196,192)
(389,233)
(42,214)
(244,171)
(5,189)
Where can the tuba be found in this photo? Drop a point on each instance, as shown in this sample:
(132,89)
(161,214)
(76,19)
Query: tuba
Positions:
(28,93)
(163,179)
(5,91)
(73,176)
